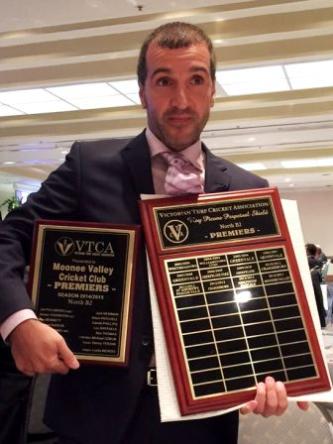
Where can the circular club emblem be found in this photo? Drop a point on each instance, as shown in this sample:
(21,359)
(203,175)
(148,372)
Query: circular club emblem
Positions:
(176,231)
(64,246)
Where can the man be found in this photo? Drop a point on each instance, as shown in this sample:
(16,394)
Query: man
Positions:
(96,405)
(321,256)
(311,253)
(316,278)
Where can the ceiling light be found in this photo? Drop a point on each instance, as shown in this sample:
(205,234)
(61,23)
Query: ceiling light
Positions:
(53,106)
(82,91)
(310,74)
(134,97)
(253,166)
(8,162)
(70,98)
(126,86)
(25,96)
(253,80)
(6,111)
(102,102)
(308,163)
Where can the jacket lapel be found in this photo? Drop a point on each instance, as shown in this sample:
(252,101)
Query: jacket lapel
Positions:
(137,158)
(216,177)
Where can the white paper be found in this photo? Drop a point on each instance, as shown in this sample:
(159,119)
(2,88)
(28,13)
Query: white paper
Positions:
(296,234)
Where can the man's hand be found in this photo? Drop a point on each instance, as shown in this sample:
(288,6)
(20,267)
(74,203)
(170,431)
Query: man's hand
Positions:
(38,348)
(271,399)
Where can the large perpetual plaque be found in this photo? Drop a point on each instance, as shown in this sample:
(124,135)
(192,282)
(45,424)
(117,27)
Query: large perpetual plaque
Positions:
(231,298)
(81,283)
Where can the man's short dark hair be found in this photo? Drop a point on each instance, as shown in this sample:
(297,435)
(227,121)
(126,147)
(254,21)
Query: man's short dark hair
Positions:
(311,249)
(175,35)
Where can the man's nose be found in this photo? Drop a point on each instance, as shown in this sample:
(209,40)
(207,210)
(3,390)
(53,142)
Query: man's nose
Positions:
(179,97)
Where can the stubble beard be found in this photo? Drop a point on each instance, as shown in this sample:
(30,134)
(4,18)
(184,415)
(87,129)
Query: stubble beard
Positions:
(170,138)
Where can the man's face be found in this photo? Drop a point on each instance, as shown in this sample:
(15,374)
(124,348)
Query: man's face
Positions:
(178,93)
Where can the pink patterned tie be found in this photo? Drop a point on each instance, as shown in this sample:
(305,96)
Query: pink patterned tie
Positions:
(182,177)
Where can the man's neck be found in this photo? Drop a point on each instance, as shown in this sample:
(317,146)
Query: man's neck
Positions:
(157,146)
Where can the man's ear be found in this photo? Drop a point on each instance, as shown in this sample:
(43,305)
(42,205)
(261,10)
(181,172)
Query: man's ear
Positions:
(142,95)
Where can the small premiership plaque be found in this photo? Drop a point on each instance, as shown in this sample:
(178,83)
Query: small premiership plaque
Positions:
(231,298)
(81,283)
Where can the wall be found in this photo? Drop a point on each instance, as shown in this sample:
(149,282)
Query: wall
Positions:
(316,213)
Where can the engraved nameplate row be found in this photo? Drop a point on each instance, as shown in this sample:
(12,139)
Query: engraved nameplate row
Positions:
(231,298)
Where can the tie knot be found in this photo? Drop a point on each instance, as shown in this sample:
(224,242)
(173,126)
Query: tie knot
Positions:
(177,161)
(182,176)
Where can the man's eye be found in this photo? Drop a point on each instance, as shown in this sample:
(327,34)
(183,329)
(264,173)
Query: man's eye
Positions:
(163,81)
(197,80)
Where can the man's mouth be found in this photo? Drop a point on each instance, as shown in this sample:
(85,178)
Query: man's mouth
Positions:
(180,119)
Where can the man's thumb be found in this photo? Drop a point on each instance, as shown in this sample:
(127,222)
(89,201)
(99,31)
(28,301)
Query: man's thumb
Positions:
(67,356)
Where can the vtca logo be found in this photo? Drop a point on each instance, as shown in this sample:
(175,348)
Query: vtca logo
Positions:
(66,246)
(176,231)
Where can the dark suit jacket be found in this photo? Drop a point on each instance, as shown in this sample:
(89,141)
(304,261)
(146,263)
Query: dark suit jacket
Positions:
(98,183)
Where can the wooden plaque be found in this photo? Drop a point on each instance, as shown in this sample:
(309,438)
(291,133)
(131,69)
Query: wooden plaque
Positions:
(231,298)
(81,282)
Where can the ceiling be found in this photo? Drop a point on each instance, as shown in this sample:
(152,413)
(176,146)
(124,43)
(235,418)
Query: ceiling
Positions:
(80,41)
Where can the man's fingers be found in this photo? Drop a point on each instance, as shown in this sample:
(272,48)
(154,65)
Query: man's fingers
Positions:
(260,398)
(67,356)
(271,397)
(282,399)
(249,407)
(303,405)
(60,367)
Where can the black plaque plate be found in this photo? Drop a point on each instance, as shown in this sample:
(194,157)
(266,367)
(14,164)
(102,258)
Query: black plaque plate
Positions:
(81,284)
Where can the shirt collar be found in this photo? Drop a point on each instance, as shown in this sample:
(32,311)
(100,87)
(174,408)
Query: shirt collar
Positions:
(193,153)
